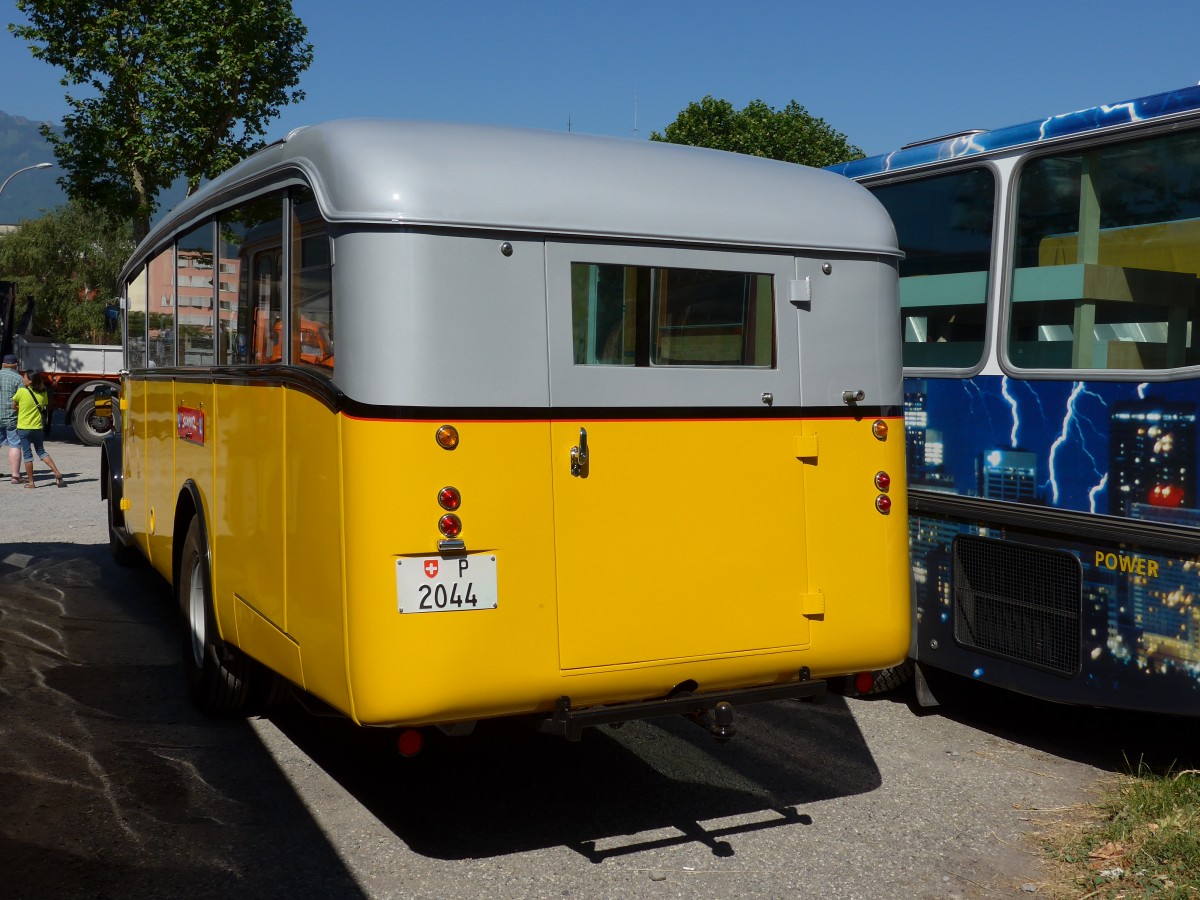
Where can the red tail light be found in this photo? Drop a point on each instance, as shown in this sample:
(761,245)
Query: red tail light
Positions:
(410,742)
(450,525)
(883,481)
(450,498)
(883,503)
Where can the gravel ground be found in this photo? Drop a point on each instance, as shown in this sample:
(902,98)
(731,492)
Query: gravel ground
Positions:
(74,513)
(111,784)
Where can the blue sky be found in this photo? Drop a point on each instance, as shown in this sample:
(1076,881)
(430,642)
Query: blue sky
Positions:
(882,73)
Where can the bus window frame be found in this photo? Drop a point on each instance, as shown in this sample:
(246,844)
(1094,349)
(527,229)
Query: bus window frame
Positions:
(994,272)
(1022,160)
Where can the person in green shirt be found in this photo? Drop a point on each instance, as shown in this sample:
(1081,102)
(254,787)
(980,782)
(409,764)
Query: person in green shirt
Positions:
(29,402)
(10,382)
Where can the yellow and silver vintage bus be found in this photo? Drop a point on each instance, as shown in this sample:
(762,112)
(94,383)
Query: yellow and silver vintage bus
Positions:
(440,423)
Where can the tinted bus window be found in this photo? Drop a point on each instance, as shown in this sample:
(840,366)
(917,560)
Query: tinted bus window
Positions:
(194,271)
(944,225)
(311,286)
(251,242)
(1106,259)
(649,316)
(160,317)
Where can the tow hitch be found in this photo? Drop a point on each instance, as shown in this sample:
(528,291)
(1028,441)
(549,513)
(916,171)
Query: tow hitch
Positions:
(713,711)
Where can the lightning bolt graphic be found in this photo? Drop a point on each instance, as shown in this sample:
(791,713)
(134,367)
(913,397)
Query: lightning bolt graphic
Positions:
(1037,398)
(1076,390)
(1071,422)
(973,390)
(1012,402)
(1096,490)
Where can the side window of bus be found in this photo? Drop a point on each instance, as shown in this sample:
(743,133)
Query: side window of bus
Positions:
(944,225)
(251,250)
(135,319)
(651,316)
(194,293)
(310,284)
(1105,266)
(160,313)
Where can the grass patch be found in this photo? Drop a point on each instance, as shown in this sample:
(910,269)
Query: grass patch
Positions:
(1141,840)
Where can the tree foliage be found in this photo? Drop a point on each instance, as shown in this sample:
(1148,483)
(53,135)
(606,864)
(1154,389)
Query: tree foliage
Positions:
(67,262)
(170,88)
(790,134)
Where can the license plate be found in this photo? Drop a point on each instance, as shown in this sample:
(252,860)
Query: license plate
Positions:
(445,583)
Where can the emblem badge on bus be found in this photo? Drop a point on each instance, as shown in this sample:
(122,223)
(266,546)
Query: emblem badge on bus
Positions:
(189,425)
(431,568)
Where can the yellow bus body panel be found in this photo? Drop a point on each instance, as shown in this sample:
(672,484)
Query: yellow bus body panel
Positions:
(684,540)
(732,530)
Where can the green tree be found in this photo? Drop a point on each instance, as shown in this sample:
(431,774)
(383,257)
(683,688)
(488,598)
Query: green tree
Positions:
(790,134)
(175,88)
(67,262)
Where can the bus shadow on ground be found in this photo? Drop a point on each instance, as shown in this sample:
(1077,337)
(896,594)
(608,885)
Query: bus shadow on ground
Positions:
(620,790)
(111,784)
(1110,739)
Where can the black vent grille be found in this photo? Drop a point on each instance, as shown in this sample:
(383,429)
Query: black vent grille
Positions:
(1019,602)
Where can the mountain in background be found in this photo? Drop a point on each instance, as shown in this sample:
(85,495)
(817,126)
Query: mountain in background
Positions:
(30,194)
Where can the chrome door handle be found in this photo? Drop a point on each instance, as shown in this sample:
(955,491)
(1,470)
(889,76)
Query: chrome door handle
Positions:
(579,456)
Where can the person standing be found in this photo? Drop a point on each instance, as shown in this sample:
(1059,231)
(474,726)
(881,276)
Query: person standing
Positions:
(30,402)
(10,382)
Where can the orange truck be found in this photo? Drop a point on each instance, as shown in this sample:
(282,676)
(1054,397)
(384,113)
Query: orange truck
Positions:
(74,372)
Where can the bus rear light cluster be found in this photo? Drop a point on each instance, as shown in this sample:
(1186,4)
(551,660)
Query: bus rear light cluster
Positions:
(447,437)
(450,498)
(879,428)
(883,481)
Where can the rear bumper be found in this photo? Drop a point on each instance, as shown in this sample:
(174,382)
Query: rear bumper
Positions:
(570,722)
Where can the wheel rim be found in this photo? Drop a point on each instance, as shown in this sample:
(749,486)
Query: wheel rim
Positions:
(196,613)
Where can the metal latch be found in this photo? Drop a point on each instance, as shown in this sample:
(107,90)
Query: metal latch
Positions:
(800,293)
(579,456)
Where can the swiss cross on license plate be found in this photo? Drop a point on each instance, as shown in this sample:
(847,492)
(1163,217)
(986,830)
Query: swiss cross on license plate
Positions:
(445,583)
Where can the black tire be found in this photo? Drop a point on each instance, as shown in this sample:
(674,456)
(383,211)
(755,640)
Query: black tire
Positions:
(90,428)
(218,675)
(122,553)
(268,690)
(890,679)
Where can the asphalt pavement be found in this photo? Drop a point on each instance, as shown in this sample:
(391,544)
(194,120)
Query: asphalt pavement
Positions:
(111,784)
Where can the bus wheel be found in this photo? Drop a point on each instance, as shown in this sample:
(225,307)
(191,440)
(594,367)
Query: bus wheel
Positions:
(890,679)
(89,427)
(122,553)
(217,674)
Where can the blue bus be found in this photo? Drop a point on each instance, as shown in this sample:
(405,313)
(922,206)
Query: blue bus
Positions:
(1051,353)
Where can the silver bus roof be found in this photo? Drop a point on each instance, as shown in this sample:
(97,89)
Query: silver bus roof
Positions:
(478,177)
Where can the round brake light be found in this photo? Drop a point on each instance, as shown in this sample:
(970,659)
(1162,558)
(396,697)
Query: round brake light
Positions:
(883,503)
(450,525)
(450,498)
(883,481)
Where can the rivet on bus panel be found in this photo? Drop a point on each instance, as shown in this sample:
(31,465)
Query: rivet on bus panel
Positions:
(450,525)
(879,428)
(450,498)
(883,503)
(447,437)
